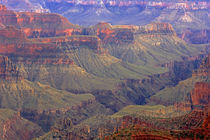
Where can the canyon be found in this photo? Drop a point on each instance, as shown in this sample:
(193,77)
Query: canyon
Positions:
(71,82)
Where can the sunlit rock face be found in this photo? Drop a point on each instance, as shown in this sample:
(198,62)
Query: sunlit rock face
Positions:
(38,24)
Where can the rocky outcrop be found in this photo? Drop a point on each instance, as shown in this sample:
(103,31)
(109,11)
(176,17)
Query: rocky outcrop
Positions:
(14,42)
(8,70)
(75,42)
(111,34)
(39,24)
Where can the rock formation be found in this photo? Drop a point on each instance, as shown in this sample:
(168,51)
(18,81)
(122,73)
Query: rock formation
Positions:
(54,54)
(38,24)
(157,28)
(8,71)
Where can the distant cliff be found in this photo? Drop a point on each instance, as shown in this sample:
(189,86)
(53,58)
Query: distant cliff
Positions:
(39,25)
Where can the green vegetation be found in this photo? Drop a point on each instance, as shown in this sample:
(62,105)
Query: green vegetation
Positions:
(156,111)
(107,66)
(68,77)
(36,96)
(152,51)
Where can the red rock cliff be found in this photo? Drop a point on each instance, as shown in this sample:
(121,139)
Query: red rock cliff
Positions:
(113,34)
(14,42)
(39,24)
(91,42)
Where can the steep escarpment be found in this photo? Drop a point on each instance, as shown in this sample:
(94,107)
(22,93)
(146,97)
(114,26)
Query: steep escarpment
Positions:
(76,42)
(14,42)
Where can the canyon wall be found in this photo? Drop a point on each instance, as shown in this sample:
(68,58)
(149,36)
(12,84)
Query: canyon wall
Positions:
(39,25)
(8,71)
